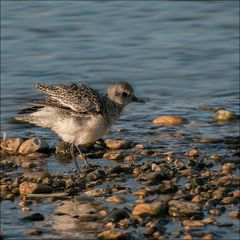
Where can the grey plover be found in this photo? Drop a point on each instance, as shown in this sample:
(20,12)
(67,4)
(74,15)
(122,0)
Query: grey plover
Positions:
(79,114)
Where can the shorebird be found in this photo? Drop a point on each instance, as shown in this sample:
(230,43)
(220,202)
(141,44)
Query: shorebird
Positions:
(77,113)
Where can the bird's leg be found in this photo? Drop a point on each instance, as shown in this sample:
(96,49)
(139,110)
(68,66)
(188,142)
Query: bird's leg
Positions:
(73,156)
(83,157)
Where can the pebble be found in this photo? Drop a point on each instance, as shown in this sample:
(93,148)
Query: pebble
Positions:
(142,192)
(33,217)
(118,214)
(228,167)
(132,158)
(114,155)
(12,145)
(192,224)
(34,232)
(32,145)
(208,140)
(170,120)
(113,235)
(228,200)
(117,144)
(192,153)
(150,209)
(115,199)
(30,187)
(184,208)
(236,194)
(208,236)
(100,192)
(223,115)
(234,214)
(215,212)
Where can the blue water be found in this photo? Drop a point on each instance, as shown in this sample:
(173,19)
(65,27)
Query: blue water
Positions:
(177,55)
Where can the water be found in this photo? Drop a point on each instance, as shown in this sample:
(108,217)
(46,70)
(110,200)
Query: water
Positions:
(177,55)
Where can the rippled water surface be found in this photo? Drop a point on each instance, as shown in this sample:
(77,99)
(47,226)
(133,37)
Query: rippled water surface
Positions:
(177,55)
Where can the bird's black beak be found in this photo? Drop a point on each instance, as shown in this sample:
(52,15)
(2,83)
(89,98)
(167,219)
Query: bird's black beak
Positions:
(135,99)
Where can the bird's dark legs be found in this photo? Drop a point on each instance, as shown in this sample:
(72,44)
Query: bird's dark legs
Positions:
(83,157)
(73,156)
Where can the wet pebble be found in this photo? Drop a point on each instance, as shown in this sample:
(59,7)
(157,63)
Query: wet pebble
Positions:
(234,214)
(150,209)
(193,223)
(33,217)
(115,199)
(30,187)
(118,214)
(12,145)
(117,144)
(95,175)
(113,235)
(223,115)
(184,208)
(114,155)
(32,145)
(170,120)
(34,232)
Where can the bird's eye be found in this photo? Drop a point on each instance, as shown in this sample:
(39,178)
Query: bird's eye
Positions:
(124,94)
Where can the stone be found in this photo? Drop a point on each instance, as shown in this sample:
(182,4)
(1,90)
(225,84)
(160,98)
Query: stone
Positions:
(115,199)
(192,224)
(192,153)
(33,217)
(208,140)
(184,208)
(114,155)
(118,144)
(29,188)
(113,235)
(12,145)
(234,214)
(208,236)
(95,175)
(132,158)
(228,200)
(224,115)
(32,145)
(170,120)
(118,214)
(150,209)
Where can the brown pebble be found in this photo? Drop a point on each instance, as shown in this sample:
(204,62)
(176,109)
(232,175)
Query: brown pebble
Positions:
(209,220)
(32,145)
(115,199)
(30,187)
(170,120)
(192,224)
(113,235)
(117,144)
(114,155)
(196,199)
(192,153)
(215,212)
(12,145)
(228,200)
(139,146)
(208,236)
(208,140)
(236,194)
(187,236)
(151,209)
(234,214)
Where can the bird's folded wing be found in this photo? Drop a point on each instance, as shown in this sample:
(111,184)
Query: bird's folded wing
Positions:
(78,98)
